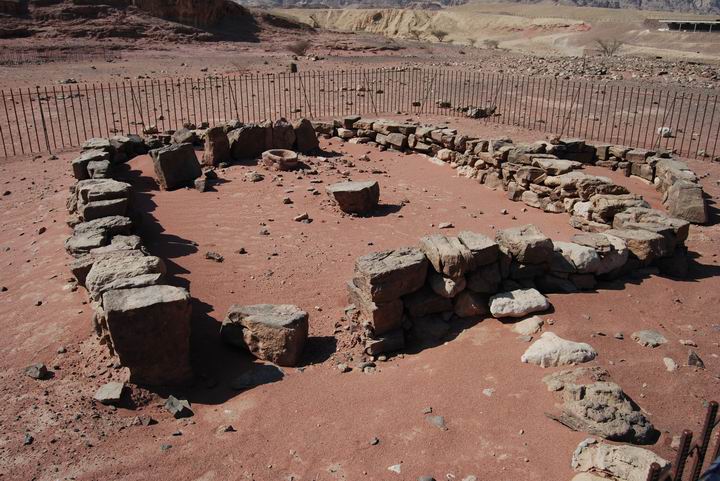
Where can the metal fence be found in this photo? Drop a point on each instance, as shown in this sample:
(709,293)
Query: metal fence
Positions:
(48,119)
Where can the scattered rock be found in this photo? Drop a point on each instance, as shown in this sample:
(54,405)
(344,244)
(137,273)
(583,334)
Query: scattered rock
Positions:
(670,364)
(529,326)
(37,371)
(179,408)
(648,338)
(437,421)
(694,360)
(355,197)
(110,393)
(214,256)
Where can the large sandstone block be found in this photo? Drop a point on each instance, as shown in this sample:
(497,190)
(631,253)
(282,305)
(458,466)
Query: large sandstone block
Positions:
(248,142)
(425,302)
(149,328)
(217,146)
(380,316)
(80,164)
(447,255)
(613,251)
(283,135)
(175,166)
(526,244)
(387,275)
(484,250)
(577,258)
(305,138)
(122,272)
(686,201)
(643,244)
(355,197)
(605,207)
(275,333)
(623,462)
(80,267)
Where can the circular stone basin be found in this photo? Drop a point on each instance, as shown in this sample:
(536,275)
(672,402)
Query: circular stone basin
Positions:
(280,159)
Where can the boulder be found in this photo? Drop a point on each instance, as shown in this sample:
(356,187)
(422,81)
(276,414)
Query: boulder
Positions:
(355,197)
(283,135)
(184,136)
(217,146)
(447,286)
(518,303)
(686,200)
(526,244)
(551,350)
(149,329)
(613,251)
(109,393)
(247,142)
(603,409)
(80,164)
(623,462)
(387,275)
(275,333)
(305,138)
(381,317)
(175,166)
(447,255)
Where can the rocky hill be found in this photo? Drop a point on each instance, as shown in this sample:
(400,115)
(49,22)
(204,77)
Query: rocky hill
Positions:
(168,20)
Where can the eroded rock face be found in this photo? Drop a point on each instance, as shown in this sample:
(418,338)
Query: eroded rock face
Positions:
(217,146)
(518,303)
(381,317)
(175,166)
(275,333)
(623,462)
(526,244)
(552,350)
(355,197)
(387,275)
(123,272)
(448,255)
(248,141)
(149,328)
(305,137)
(603,409)
(685,200)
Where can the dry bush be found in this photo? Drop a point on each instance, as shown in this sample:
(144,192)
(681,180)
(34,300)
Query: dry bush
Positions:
(299,47)
(439,34)
(491,44)
(608,47)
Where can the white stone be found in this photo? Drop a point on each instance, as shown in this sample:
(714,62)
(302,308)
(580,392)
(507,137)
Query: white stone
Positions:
(623,462)
(529,326)
(551,350)
(518,303)
(670,364)
(585,259)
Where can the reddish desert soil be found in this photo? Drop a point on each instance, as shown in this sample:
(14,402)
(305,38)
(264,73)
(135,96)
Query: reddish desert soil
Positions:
(316,423)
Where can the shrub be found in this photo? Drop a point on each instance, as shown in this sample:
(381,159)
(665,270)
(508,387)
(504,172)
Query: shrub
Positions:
(299,47)
(608,47)
(439,34)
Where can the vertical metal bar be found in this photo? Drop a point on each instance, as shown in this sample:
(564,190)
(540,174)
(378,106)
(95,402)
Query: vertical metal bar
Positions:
(27,124)
(50,119)
(654,473)
(2,135)
(704,440)
(127,110)
(7,116)
(42,118)
(710,124)
(57,111)
(97,110)
(650,118)
(683,452)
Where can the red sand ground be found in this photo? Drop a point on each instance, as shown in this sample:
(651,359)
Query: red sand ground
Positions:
(317,423)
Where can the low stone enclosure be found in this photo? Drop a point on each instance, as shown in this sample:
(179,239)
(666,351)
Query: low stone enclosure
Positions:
(407,296)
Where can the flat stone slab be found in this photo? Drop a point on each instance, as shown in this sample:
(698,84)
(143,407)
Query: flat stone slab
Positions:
(518,303)
(552,350)
(448,255)
(526,244)
(355,197)
(648,338)
(275,333)
(110,393)
(176,166)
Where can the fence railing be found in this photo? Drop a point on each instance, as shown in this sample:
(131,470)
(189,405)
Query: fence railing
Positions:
(47,119)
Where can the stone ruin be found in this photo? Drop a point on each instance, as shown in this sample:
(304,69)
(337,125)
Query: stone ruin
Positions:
(138,316)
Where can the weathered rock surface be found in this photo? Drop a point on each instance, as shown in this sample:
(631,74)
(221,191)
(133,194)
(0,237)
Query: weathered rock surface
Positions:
(518,303)
(247,142)
(149,328)
(355,197)
(622,462)
(526,244)
(447,255)
(175,166)
(447,286)
(685,200)
(470,304)
(649,338)
(381,317)
(577,257)
(551,350)
(387,275)
(275,333)
(305,137)
(121,272)
(217,146)
(529,326)
(110,393)
(484,250)
(603,409)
